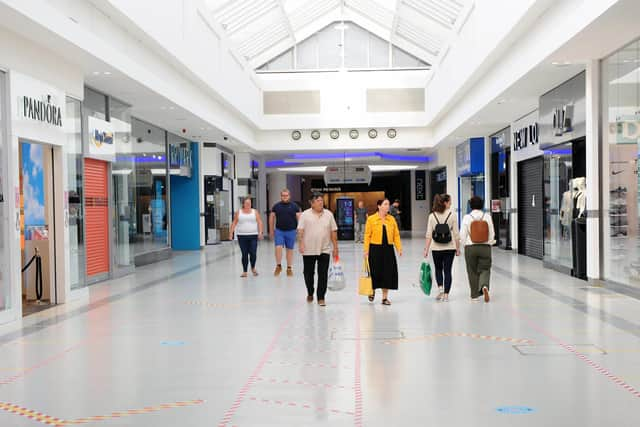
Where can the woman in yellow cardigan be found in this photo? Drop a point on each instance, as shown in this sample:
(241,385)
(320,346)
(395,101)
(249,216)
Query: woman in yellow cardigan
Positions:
(381,234)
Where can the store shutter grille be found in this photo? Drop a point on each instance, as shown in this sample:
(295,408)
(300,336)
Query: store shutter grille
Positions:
(531,208)
(96,216)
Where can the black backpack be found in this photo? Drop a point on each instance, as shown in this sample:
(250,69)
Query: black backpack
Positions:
(441,232)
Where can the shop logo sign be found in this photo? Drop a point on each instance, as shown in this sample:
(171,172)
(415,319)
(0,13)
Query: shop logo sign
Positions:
(44,110)
(526,136)
(100,137)
(563,120)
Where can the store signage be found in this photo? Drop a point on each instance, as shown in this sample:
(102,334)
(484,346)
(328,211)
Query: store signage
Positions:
(347,175)
(180,157)
(100,137)
(43,110)
(326,189)
(563,120)
(421,190)
(525,136)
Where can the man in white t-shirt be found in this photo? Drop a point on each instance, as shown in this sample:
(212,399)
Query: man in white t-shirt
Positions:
(477,240)
(318,240)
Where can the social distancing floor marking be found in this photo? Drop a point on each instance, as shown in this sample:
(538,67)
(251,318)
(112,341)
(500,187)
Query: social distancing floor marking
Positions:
(459,334)
(302,383)
(58,422)
(284,403)
(227,305)
(23,372)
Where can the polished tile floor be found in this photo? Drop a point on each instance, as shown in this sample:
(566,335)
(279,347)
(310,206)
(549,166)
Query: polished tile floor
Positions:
(187,342)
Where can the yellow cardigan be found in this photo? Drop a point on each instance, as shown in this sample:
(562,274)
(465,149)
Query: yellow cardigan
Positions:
(373,231)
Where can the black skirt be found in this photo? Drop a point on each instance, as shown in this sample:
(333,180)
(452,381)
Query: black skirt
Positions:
(383,264)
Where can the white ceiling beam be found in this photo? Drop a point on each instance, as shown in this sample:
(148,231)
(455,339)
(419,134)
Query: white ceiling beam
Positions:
(286,19)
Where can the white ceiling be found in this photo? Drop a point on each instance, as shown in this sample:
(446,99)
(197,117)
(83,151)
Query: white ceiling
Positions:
(262,29)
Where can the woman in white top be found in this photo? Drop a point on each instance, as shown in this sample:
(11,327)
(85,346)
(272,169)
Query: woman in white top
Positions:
(478,235)
(444,241)
(247,224)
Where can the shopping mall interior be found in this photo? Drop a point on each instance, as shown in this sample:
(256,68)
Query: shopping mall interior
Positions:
(150,151)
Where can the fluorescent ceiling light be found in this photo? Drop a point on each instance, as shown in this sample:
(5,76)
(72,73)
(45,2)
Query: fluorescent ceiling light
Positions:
(387,168)
(309,169)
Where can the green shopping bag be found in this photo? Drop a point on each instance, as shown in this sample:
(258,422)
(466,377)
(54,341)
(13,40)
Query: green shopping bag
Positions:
(425,277)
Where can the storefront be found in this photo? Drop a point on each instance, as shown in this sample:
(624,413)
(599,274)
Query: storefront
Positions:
(470,165)
(36,129)
(500,186)
(563,139)
(217,176)
(527,187)
(620,172)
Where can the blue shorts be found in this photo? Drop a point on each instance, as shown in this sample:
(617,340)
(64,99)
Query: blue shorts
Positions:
(285,238)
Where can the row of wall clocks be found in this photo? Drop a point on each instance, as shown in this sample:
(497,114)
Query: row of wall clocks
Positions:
(335,134)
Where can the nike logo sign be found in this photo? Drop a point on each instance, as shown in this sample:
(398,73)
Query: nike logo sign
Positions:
(617,172)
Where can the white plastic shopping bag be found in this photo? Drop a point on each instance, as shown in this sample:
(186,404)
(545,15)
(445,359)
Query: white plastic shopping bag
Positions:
(336,277)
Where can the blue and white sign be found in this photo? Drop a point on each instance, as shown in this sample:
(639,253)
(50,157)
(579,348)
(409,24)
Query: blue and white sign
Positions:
(101,141)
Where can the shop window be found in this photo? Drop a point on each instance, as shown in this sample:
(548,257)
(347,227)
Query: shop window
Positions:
(620,177)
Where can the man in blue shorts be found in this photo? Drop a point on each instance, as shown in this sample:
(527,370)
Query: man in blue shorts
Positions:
(283,222)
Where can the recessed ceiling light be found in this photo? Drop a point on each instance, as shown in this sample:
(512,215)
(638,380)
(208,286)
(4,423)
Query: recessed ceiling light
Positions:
(107,73)
(96,73)
(172,108)
(561,63)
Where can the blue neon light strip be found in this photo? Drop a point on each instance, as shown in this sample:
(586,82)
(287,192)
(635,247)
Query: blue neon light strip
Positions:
(329,156)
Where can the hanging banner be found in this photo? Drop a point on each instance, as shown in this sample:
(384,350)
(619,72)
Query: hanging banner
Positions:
(347,175)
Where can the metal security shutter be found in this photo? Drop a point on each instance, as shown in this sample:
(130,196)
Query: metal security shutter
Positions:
(96,191)
(531,207)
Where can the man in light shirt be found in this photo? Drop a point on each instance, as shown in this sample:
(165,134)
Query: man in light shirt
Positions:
(318,240)
(477,254)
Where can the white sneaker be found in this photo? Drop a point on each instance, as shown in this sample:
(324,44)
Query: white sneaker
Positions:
(445,298)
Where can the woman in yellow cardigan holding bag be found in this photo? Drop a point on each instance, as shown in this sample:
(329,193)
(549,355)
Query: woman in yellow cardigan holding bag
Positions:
(381,234)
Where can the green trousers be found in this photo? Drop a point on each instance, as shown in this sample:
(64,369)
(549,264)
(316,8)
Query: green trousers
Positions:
(478,260)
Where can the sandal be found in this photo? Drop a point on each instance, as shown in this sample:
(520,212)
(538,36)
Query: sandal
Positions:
(244,274)
(255,272)
(371,297)
(386,302)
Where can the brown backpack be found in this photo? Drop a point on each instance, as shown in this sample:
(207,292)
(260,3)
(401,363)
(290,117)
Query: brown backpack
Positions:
(479,230)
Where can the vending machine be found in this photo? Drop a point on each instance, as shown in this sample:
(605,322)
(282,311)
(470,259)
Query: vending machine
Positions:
(345,218)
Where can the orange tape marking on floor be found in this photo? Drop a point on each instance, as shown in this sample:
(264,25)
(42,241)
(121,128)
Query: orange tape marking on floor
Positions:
(58,422)
(459,334)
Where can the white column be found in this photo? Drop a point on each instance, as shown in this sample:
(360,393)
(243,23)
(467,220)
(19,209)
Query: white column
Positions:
(447,158)
(593,168)
(277,182)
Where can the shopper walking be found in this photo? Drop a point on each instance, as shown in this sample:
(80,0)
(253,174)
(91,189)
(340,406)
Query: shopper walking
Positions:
(478,236)
(247,225)
(318,239)
(361,221)
(394,211)
(381,234)
(283,222)
(443,239)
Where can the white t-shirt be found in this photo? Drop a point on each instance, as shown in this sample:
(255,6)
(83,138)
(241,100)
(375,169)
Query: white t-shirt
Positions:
(465,230)
(247,223)
(317,231)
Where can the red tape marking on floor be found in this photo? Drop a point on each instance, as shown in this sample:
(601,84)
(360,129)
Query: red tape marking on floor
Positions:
(58,422)
(300,405)
(228,415)
(460,334)
(25,372)
(301,383)
(357,386)
(309,364)
(599,368)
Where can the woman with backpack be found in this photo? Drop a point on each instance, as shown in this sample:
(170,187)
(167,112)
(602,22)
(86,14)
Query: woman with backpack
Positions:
(478,235)
(444,242)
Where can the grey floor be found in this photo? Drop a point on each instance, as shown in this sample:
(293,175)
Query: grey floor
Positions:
(187,342)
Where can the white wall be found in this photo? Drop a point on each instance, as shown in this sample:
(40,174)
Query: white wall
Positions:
(217,89)
(343,100)
(542,27)
(280,140)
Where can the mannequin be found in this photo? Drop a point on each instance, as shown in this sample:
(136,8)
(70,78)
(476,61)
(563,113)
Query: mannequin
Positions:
(565,213)
(579,197)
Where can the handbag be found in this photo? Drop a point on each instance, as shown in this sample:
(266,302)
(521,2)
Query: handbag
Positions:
(425,277)
(365,285)
(336,277)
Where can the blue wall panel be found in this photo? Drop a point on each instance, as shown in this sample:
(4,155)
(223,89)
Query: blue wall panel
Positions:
(185,208)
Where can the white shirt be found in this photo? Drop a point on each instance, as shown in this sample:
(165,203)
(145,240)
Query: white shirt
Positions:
(465,230)
(247,223)
(317,230)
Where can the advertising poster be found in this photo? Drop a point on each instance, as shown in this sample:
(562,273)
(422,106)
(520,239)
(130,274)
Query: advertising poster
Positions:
(33,192)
